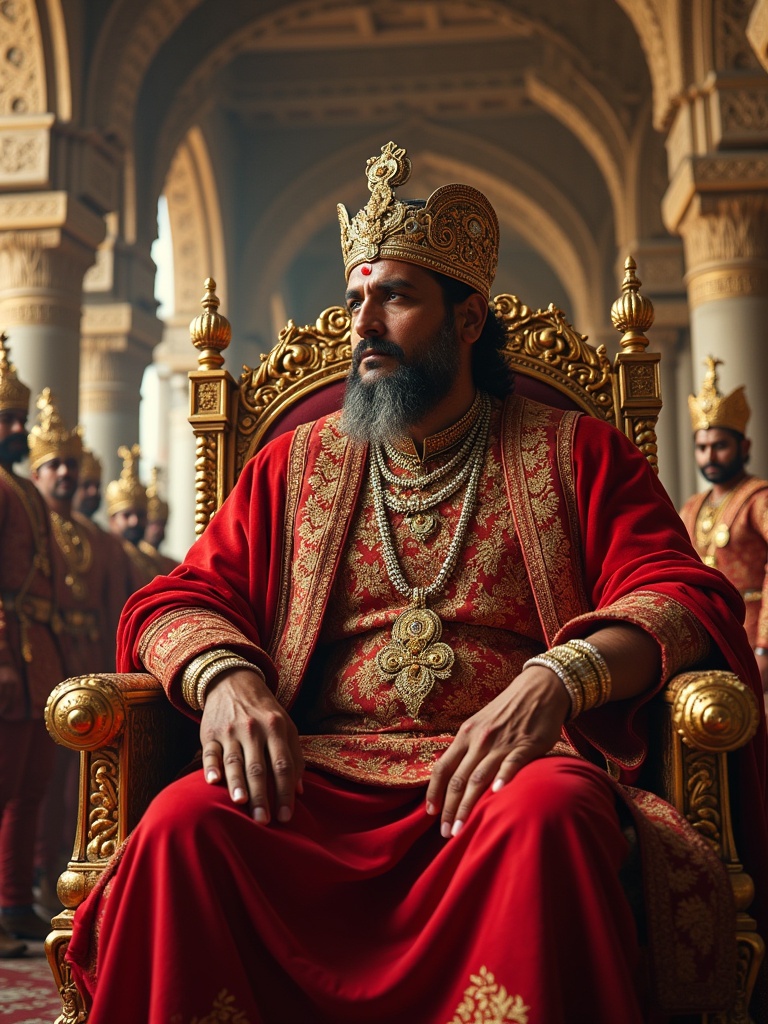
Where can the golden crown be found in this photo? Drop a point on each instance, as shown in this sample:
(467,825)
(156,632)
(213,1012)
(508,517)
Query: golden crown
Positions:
(456,233)
(90,466)
(13,394)
(157,509)
(711,409)
(127,492)
(49,438)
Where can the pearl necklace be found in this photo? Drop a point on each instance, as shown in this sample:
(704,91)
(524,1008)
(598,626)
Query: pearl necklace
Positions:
(415,657)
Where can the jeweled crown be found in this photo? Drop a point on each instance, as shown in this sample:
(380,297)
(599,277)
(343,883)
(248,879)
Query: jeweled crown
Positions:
(127,491)
(157,509)
(712,409)
(13,394)
(50,438)
(455,233)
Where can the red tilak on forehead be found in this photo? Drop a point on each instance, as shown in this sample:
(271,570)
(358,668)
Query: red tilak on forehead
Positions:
(365,269)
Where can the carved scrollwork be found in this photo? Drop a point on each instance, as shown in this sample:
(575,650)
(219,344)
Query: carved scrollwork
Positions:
(546,343)
(205,480)
(72,1006)
(302,353)
(85,713)
(713,710)
(703,795)
(103,816)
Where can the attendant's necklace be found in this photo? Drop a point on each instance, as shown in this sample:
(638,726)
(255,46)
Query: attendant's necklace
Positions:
(711,532)
(415,657)
(77,552)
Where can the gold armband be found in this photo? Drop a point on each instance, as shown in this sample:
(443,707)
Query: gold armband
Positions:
(202,670)
(582,670)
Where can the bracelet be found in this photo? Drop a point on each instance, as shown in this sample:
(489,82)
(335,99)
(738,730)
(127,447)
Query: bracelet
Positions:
(209,663)
(210,673)
(761,652)
(582,670)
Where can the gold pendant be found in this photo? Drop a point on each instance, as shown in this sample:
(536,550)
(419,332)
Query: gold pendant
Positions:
(721,536)
(415,657)
(422,524)
(710,561)
(707,523)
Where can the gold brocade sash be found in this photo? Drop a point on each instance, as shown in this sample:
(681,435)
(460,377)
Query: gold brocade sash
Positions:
(324,480)
(537,447)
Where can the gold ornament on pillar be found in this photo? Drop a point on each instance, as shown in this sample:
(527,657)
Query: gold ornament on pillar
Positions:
(712,409)
(13,394)
(49,438)
(127,492)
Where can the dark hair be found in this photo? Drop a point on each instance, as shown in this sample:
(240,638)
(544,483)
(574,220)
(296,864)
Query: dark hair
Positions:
(490,370)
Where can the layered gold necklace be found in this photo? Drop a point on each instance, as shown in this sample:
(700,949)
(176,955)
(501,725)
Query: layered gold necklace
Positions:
(77,551)
(711,532)
(416,657)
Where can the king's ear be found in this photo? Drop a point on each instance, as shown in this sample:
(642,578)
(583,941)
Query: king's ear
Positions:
(470,318)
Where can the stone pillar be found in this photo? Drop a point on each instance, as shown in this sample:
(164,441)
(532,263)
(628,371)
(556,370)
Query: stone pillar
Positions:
(180,474)
(726,248)
(49,243)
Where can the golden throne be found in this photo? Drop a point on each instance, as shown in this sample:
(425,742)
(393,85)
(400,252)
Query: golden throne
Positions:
(131,740)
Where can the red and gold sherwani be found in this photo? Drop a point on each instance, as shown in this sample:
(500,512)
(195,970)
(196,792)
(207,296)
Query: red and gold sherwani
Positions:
(357,910)
(733,537)
(27,645)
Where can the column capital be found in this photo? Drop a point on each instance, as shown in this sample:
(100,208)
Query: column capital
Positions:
(708,178)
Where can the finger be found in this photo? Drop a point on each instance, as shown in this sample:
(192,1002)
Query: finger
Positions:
(441,774)
(285,767)
(212,765)
(511,765)
(470,779)
(233,760)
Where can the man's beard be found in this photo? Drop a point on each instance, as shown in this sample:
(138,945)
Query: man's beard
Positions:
(385,409)
(722,473)
(14,448)
(133,534)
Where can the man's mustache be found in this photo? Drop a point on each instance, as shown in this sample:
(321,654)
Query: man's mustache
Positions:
(376,346)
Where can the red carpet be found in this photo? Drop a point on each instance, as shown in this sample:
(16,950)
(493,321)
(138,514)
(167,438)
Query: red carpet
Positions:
(27,992)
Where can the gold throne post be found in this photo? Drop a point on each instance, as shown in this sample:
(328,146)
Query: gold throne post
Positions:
(131,740)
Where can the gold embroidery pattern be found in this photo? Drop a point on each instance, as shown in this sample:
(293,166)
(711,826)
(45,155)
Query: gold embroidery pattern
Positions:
(224,1011)
(297,460)
(330,487)
(178,636)
(487,1002)
(538,516)
(683,640)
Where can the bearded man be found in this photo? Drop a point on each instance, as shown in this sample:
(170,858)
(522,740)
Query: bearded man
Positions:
(418,678)
(728,523)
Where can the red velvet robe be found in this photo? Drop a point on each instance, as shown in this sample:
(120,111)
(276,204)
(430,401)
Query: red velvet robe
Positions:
(358,910)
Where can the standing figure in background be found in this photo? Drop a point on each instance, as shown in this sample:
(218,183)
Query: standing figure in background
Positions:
(30,666)
(127,511)
(91,592)
(728,524)
(157,520)
(87,499)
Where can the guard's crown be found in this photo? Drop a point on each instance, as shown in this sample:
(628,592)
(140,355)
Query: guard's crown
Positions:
(90,466)
(711,409)
(456,233)
(127,491)
(49,438)
(157,509)
(13,394)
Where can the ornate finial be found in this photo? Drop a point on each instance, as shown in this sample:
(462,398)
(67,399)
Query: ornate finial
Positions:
(456,232)
(211,332)
(632,312)
(49,438)
(13,394)
(127,491)
(711,409)
(157,509)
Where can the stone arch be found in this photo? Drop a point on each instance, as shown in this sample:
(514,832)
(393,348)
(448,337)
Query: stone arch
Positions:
(524,202)
(196,225)
(59,77)
(657,24)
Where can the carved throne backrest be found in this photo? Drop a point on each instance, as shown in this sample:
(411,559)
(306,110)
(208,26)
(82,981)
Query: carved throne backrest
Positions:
(302,378)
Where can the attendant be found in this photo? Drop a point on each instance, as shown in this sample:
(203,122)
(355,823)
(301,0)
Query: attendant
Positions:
(87,499)
(157,520)
(127,511)
(30,666)
(728,523)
